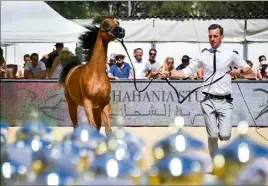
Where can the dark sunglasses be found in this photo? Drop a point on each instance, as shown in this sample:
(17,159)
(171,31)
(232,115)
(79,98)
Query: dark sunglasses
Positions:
(152,54)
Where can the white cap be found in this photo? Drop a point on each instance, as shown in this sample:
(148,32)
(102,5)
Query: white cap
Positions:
(65,49)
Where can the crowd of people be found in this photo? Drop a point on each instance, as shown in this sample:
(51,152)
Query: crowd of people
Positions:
(50,66)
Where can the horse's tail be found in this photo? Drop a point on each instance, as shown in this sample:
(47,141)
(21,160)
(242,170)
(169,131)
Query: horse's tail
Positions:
(68,64)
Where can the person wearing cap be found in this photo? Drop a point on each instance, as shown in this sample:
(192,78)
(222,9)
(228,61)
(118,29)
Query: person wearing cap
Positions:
(49,58)
(263,70)
(217,102)
(120,70)
(57,65)
(185,62)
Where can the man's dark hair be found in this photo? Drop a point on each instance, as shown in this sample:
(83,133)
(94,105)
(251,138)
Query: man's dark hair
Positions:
(261,57)
(215,26)
(135,50)
(26,55)
(152,49)
(34,54)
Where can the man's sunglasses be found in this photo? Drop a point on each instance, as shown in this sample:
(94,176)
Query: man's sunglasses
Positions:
(152,54)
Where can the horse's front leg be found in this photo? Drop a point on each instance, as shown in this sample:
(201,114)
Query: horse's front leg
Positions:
(89,111)
(106,118)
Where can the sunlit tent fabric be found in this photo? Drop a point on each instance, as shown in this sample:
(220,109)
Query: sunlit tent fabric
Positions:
(35,22)
(189,29)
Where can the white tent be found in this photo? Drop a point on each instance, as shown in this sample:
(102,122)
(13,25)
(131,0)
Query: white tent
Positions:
(35,22)
(180,36)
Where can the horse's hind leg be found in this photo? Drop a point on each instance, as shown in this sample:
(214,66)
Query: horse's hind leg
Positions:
(89,111)
(72,109)
(106,118)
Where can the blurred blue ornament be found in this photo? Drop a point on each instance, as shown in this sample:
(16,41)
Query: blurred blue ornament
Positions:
(132,144)
(108,164)
(243,148)
(4,130)
(54,177)
(176,143)
(255,173)
(88,136)
(179,165)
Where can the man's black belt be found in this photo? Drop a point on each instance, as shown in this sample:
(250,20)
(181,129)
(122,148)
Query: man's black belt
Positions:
(217,96)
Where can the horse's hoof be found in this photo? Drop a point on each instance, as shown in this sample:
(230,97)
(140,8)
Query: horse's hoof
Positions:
(108,131)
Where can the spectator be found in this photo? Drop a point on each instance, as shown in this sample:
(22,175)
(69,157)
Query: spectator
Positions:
(138,64)
(262,58)
(57,64)
(121,69)
(35,69)
(49,58)
(185,62)
(2,67)
(263,71)
(151,66)
(12,70)
(26,59)
(252,75)
(167,66)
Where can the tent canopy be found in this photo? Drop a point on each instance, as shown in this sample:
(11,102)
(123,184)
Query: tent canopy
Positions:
(190,29)
(35,22)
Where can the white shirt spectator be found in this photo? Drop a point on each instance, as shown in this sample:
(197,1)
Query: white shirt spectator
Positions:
(35,71)
(139,69)
(224,59)
(152,66)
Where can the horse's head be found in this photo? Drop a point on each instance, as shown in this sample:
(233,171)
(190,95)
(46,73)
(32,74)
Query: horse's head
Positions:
(111,30)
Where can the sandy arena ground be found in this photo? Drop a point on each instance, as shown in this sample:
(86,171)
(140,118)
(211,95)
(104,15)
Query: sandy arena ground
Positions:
(153,134)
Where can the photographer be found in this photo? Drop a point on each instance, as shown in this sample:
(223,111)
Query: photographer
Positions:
(263,71)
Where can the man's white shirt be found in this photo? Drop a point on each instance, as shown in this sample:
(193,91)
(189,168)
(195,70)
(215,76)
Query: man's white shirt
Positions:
(139,69)
(224,60)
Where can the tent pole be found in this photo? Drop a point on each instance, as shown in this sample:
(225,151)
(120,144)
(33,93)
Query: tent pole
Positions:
(15,54)
(5,53)
(245,46)
(129,8)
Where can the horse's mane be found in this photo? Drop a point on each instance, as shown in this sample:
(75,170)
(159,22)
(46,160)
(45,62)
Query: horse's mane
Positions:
(88,38)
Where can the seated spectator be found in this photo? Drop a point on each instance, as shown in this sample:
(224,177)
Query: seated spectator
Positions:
(26,59)
(3,67)
(138,64)
(151,66)
(185,62)
(167,66)
(57,64)
(35,69)
(121,69)
(263,71)
(12,70)
(252,75)
(48,59)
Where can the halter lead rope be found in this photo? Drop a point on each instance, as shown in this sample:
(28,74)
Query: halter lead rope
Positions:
(177,93)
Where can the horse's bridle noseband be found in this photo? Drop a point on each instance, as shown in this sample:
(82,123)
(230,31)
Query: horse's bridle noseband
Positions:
(117,31)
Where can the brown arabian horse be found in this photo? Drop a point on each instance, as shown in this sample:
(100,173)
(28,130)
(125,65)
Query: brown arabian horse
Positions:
(88,85)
